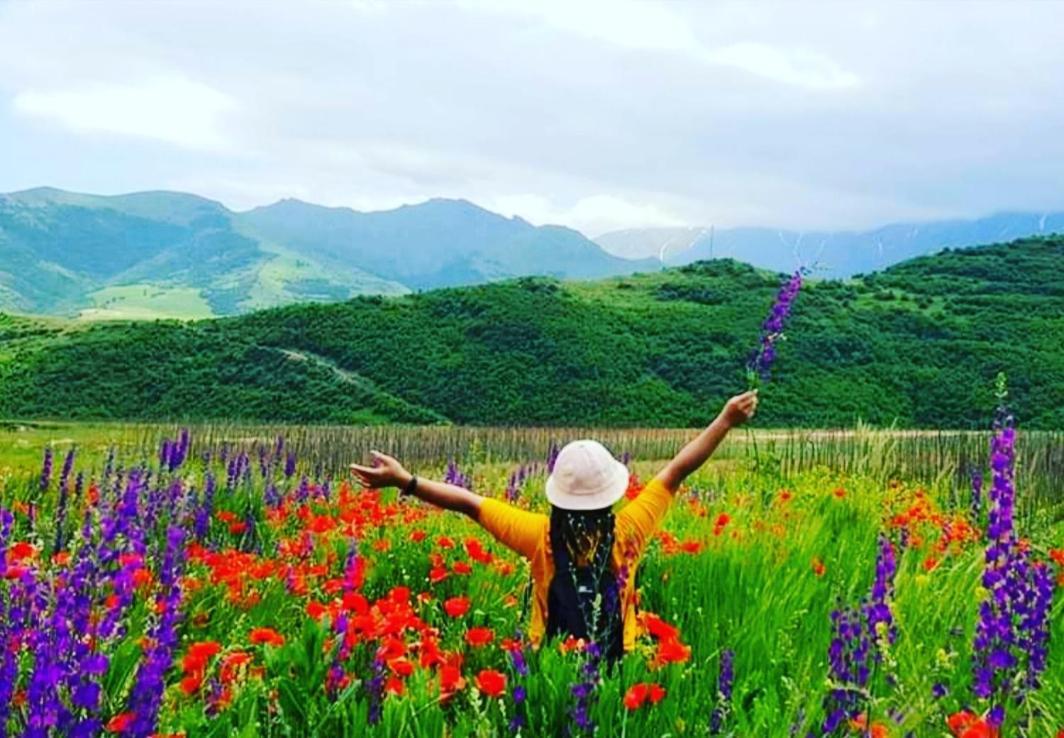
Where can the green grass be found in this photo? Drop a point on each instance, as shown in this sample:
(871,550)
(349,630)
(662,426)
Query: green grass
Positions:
(146,302)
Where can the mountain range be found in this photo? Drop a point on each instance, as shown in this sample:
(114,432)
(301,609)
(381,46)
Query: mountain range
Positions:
(828,253)
(168,254)
(175,255)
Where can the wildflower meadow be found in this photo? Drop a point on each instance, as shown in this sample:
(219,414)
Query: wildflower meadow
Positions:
(219,580)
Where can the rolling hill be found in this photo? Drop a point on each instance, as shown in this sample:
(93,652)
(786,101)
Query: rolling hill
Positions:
(834,253)
(167,254)
(918,344)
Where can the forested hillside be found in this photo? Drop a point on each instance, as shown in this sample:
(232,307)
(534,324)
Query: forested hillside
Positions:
(918,344)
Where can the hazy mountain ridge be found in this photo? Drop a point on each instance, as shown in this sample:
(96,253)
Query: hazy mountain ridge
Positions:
(831,253)
(180,255)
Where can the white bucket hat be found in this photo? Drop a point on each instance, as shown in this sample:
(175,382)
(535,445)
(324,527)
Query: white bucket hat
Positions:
(586,477)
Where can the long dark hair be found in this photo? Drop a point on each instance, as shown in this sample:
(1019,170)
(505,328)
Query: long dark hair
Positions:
(584,596)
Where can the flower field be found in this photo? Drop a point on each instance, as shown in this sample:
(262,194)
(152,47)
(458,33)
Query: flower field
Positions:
(239,587)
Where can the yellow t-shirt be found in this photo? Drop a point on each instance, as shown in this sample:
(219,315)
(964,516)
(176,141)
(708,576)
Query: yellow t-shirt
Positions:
(528,534)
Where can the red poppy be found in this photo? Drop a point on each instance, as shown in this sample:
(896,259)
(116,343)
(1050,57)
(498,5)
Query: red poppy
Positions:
(818,566)
(266,635)
(120,722)
(930,563)
(491,682)
(658,627)
(671,651)
(477,637)
(456,607)
(635,696)
(860,724)
(462,567)
(451,679)
(198,656)
(476,551)
(21,551)
(965,724)
(641,693)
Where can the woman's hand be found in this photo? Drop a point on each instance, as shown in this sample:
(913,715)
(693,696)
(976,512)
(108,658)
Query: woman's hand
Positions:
(385,472)
(740,408)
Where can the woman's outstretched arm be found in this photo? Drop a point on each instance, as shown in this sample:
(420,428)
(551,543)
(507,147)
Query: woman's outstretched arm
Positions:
(388,472)
(736,411)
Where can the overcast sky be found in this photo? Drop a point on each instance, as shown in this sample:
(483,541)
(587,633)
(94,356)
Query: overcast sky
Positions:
(595,115)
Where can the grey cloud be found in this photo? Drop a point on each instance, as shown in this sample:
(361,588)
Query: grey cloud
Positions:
(798,115)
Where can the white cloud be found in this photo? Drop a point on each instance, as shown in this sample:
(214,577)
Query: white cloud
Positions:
(650,26)
(166,108)
(591,215)
(798,67)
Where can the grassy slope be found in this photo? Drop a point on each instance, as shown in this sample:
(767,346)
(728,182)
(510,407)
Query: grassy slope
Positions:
(918,344)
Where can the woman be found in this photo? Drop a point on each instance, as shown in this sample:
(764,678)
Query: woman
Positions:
(583,557)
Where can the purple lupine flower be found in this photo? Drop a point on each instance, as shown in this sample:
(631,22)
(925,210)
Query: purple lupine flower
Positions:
(860,635)
(290,465)
(519,693)
(583,691)
(204,511)
(375,690)
(513,487)
(725,682)
(303,491)
(147,692)
(271,497)
(61,505)
(1012,632)
(552,456)
(759,367)
(453,475)
(46,468)
(68,465)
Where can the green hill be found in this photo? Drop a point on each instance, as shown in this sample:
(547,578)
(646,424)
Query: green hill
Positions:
(918,344)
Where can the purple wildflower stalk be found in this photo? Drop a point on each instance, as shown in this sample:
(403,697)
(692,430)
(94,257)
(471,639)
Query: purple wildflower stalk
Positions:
(552,455)
(46,469)
(149,686)
(725,683)
(519,695)
(759,367)
(862,635)
(1012,633)
(583,691)
(453,475)
(375,689)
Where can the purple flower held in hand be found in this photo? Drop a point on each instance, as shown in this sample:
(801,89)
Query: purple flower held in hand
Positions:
(759,367)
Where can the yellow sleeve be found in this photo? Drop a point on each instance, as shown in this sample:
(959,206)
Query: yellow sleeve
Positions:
(640,519)
(518,530)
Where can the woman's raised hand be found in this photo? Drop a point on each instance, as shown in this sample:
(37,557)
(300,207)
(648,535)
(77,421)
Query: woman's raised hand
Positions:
(385,472)
(740,408)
